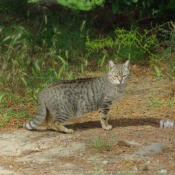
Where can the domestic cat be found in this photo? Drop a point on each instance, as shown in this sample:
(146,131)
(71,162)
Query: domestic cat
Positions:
(63,100)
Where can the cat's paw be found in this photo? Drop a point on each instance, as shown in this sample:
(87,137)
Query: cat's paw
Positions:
(69,131)
(108,127)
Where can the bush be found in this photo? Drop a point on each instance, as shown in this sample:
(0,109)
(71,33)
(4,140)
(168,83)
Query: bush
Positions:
(132,44)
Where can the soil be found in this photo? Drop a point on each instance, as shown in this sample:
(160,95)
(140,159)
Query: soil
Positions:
(138,144)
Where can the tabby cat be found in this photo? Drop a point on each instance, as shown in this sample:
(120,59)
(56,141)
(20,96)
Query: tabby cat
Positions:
(64,100)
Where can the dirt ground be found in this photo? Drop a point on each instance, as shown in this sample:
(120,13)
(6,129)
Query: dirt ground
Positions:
(139,146)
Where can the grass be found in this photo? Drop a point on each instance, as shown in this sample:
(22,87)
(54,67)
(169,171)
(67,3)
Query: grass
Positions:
(7,115)
(155,104)
(103,144)
(158,73)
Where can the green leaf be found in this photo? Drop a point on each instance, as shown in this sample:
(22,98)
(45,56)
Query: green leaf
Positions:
(126,3)
(170,5)
(114,6)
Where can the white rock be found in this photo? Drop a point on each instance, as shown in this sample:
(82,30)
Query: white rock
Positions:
(163,171)
(105,162)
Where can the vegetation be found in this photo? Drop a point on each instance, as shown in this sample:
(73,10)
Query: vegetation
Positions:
(103,144)
(42,44)
(145,8)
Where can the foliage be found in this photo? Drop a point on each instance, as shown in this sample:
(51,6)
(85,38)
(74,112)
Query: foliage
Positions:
(18,7)
(145,8)
(126,44)
(167,46)
(38,50)
(132,44)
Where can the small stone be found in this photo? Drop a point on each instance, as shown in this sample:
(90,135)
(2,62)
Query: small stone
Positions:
(164,172)
(123,143)
(135,169)
(161,124)
(105,162)
(144,168)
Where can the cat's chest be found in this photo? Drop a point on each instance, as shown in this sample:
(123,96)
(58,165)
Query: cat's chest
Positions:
(116,96)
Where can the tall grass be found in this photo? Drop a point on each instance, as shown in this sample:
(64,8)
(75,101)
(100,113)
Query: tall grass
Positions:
(37,49)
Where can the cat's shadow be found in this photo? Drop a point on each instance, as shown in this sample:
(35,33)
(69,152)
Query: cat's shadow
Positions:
(122,122)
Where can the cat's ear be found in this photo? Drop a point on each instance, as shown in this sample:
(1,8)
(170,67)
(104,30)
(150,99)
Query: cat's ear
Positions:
(111,65)
(127,64)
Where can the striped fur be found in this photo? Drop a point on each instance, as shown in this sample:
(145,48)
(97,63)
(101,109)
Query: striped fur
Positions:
(63,100)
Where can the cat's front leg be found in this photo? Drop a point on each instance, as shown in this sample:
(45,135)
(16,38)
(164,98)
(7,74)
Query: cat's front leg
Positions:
(104,120)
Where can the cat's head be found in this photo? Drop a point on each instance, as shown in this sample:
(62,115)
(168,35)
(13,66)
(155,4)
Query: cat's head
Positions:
(118,73)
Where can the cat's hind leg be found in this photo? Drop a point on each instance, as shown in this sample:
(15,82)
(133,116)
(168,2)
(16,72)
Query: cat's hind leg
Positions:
(55,122)
(57,126)
(60,127)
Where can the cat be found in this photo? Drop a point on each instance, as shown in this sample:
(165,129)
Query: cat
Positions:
(64,100)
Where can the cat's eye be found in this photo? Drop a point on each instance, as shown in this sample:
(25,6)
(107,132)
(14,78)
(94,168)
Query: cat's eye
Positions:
(123,76)
(115,76)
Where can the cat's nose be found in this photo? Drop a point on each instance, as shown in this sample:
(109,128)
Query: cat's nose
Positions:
(120,79)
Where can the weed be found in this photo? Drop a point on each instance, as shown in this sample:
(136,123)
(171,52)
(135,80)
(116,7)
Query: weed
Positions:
(169,103)
(155,104)
(5,116)
(103,145)
(18,125)
(102,60)
(98,166)
(19,114)
(82,70)
(116,108)
(2,99)
(158,73)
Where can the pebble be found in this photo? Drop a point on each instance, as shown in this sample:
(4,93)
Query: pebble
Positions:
(163,171)
(144,168)
(105,162)
(135,169)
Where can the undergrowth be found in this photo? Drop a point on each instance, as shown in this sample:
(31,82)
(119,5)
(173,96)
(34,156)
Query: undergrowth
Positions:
(135,45)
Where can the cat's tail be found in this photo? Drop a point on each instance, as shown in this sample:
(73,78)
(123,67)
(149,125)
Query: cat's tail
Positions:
(40,117)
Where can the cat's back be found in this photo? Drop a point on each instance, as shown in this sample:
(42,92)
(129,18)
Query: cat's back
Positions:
(77,83)
(77,88)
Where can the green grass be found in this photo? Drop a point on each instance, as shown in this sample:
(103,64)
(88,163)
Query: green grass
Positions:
(158,72)
(155,104)
(103,144)
(8,114)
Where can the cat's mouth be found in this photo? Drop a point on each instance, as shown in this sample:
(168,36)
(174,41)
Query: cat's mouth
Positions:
(118,83)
